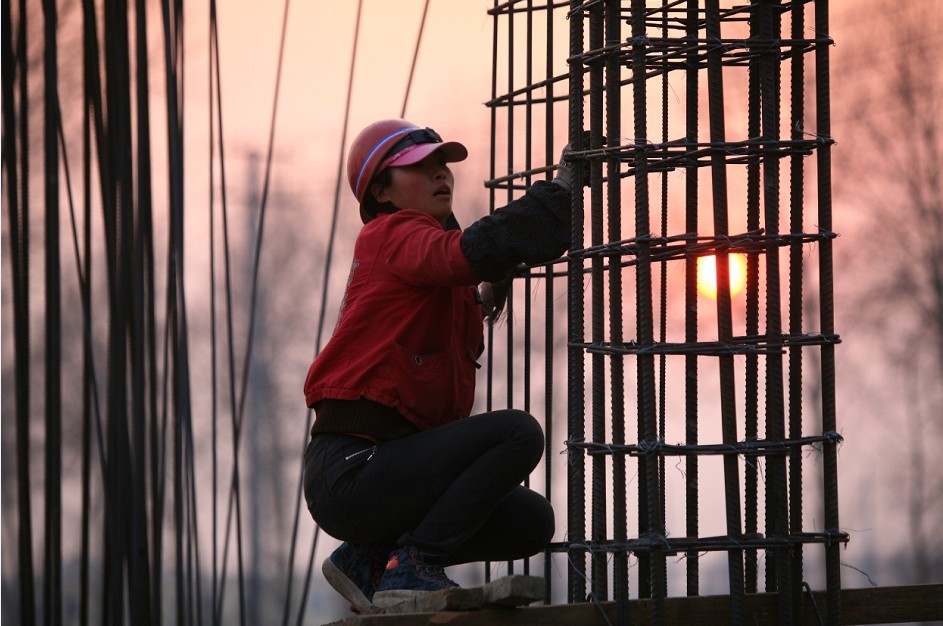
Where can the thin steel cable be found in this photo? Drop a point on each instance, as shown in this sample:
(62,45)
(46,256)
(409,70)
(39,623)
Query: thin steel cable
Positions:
(148,589)
(231,357)
(83,282)
(260,227)
(309,570)
(89,384)
(118,216)
(19,213)
(52,548)
(214,81)
(724,322)
(412,66)
(239,414)
(145,333)
(178,334)
(325,282)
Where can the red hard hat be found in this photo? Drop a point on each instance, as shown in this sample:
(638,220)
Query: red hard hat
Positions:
(393,143)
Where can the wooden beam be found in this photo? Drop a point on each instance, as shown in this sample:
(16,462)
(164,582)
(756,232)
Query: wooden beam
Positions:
(875,605)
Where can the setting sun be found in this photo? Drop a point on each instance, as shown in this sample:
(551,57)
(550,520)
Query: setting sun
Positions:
(707,275)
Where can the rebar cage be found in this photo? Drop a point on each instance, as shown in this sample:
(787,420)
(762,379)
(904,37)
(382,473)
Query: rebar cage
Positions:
(730,390)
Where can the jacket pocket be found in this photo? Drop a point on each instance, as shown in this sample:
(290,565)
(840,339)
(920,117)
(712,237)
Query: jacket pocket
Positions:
(425,383)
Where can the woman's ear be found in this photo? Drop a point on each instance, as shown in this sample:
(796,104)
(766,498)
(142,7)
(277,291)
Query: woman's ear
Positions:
(379,192)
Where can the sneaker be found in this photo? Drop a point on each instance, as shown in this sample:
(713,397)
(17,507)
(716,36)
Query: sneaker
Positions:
(354,571)
(406,571)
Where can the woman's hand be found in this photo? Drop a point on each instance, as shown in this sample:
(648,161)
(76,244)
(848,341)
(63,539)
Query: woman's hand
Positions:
(495,295)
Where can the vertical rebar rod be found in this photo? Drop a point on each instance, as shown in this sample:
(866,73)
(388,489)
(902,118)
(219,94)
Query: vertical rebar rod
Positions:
(690,296)
(549,338)
(620,568)
(528,147)
(777,561)
(600,580)
(650,506)
(827,309)
(724,314)
(796,188)
(751,383)
(576,516)
(510,373)
(492,198)
(663,303)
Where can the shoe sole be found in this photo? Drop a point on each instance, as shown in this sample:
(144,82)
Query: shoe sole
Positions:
(347,588)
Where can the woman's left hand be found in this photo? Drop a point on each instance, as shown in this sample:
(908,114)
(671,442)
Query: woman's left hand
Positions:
(494,295)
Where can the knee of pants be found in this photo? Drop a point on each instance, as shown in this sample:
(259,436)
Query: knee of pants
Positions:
(544,523)
(527,433)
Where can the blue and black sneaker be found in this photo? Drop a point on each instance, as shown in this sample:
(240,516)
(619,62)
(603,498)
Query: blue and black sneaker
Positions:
(407,574)
(354,571)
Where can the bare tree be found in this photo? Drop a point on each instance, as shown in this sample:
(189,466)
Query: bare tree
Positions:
(892,157)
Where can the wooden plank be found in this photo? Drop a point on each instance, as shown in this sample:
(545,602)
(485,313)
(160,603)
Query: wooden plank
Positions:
(875,605)
(886,605)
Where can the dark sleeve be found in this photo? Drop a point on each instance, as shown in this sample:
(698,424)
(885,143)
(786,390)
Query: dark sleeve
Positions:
(535,228)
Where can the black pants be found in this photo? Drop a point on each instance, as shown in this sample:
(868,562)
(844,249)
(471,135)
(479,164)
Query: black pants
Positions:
(454,492)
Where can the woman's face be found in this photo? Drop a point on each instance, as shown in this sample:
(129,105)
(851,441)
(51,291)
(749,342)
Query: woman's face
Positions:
(424,186)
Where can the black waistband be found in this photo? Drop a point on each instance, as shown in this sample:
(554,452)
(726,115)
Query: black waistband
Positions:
(364,418)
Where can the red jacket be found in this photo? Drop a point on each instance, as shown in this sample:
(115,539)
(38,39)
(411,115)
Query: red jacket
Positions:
(409,328)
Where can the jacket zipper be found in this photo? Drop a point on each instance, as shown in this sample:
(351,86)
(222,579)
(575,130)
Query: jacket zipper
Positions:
(372,451)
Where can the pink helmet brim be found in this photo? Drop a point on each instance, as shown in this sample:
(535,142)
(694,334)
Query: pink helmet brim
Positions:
(453,152)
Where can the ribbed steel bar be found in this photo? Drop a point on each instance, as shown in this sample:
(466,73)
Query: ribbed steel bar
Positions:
(510,372)
(576,516)
(777,562)
(827,308)
(649,501)
(528,150)
(600,576)
(796,189)
(724,321)
(663,305)
(620,566)
(751,383)
(691,490)
(492,197)
(724,543)
(549,336)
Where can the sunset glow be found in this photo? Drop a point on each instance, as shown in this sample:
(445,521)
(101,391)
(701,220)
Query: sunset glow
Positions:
(707,275)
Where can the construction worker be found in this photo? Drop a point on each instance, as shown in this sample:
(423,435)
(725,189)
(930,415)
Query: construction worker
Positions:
(397,467)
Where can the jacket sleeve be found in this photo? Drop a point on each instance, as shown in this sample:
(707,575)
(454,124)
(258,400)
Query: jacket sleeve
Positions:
(418,251)
(535,228)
